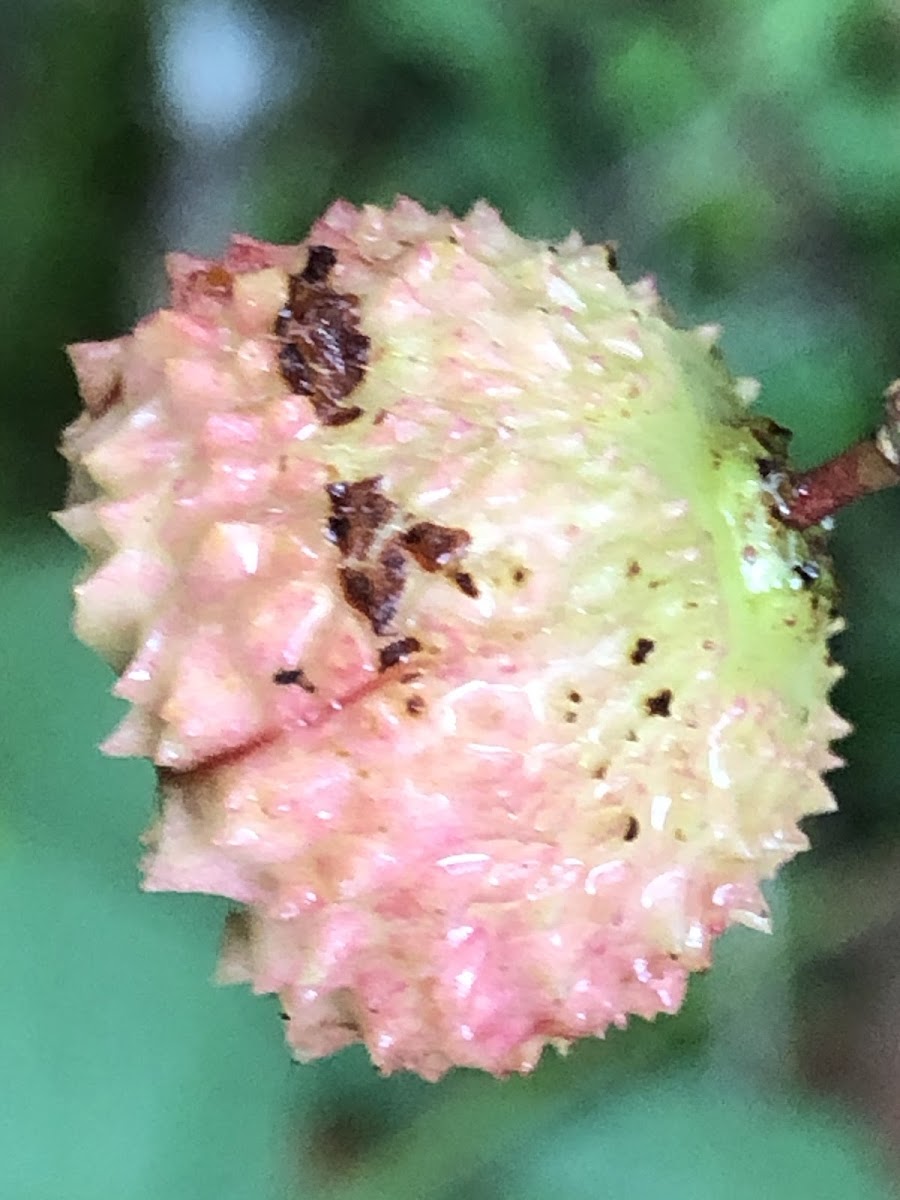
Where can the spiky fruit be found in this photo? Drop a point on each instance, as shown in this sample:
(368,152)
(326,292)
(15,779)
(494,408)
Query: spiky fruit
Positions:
(447,582)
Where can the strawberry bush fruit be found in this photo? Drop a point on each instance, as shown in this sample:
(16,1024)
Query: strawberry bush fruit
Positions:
(460,603)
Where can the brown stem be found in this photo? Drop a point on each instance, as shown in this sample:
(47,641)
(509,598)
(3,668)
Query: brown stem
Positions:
(867,467)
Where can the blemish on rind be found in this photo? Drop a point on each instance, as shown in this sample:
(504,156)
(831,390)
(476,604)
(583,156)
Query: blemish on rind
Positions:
(324,353)
(643,648)
(319,264)
(375,590)
(660,705)
(294,676)
(466,584)
(358,511)
(397,652)
(435,546)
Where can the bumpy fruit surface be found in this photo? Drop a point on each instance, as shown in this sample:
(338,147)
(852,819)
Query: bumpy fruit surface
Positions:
(447,584)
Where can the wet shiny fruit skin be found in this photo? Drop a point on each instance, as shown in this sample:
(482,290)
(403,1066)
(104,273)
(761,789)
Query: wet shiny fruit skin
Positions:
(446,581)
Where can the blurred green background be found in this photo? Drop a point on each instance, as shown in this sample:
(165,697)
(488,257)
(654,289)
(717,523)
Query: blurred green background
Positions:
(747,152)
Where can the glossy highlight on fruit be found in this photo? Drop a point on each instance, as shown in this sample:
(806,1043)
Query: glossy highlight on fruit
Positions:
(447,583)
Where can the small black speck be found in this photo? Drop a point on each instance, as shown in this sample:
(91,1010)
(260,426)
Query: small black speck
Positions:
(660,705)
(631,736)
(632,829)
(643,648)
(575,697)
(519,575)
(284,1016)
(466,584)
(294,676)
(612,255)
(808,572)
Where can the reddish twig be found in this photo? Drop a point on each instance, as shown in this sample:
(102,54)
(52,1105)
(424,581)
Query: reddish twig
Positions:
(867,467)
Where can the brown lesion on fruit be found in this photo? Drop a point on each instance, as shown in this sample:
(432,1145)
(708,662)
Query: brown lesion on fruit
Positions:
(358,511)
(466,584)
(435,547)
(320,261)
(642,650)
(375,590)
(397,652)
(415,706)
(632,829)
(633,569)
(439,548)
(294,676)
(363,525)
(660,704)
(324,353)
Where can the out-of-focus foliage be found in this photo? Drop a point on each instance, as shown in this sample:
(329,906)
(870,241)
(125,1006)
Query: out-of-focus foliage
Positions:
(747,153)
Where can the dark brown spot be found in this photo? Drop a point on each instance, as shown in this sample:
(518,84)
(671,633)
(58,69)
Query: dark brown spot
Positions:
(415,706)
(679,835)
(324,354)
(398,651)
(466,584)
(319,264)
(358,510)
(519,575)
(575,697)
(600,771)
(571,718)
(660,705)
(632,829)
(435,546)
(375,590)
(295,676)
(643,648)
(634,568)
(612,255)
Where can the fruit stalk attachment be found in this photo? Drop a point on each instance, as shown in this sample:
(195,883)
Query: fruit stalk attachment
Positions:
(869,466)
